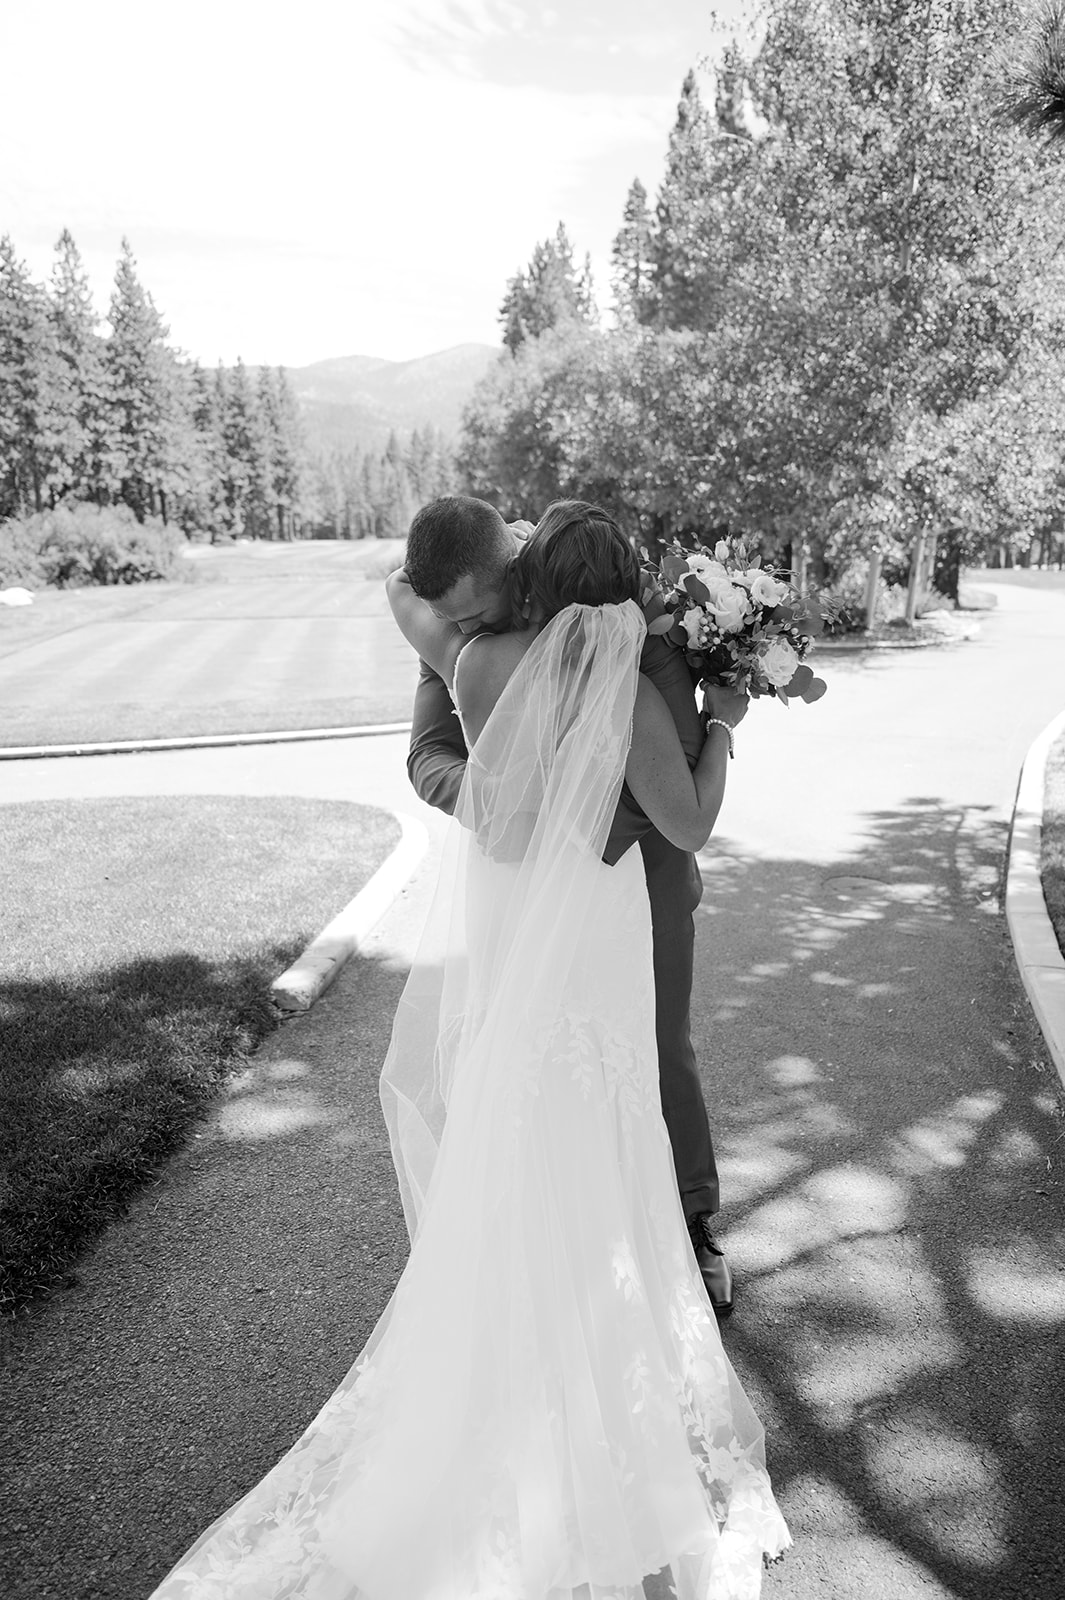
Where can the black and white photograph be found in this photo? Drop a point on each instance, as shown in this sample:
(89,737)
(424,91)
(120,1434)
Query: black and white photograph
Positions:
(532,800)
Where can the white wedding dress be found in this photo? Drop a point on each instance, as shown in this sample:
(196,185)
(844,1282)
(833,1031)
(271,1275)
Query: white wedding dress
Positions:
(545,1410)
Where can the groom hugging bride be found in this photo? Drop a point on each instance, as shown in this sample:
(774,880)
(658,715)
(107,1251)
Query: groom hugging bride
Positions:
(545,1410)
(464,562)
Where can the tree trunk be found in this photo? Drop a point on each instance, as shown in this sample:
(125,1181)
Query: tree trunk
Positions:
(947,569)
(913,593)
(871,586)
(928,574)
(801,566)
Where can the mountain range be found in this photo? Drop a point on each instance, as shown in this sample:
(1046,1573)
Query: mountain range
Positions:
(356,401)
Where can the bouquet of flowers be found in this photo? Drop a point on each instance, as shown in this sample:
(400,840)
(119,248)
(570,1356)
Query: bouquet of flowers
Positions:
(737,621)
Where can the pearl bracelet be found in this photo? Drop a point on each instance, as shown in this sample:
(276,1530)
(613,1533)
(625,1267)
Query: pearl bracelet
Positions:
(721,723)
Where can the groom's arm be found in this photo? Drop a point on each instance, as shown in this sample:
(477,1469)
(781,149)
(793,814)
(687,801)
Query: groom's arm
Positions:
(436,761)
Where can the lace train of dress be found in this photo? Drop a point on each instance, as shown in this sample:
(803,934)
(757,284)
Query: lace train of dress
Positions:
(545,1410)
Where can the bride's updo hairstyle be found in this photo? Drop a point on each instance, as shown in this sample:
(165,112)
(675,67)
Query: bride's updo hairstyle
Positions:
(577,555)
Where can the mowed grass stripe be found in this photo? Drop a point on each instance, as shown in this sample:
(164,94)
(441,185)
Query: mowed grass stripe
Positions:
(156,666)
(101,660)
(315,650)
(347,643)
(269,599)
(263,669)
(215,661)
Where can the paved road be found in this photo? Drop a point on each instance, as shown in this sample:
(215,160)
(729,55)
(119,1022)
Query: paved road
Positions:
(891,1140)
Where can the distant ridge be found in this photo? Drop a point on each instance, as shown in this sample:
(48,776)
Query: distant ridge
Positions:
(354,402)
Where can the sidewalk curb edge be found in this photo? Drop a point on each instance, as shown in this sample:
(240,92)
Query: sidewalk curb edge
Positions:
(297,988)
(1035,946)
(198,741)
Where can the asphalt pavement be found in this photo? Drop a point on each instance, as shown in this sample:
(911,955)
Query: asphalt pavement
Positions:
(890,1133)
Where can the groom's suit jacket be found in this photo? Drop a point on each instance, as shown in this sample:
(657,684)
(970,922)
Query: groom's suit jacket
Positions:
(436,764)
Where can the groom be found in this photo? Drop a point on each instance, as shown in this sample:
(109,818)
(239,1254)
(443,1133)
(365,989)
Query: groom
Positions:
(459,552)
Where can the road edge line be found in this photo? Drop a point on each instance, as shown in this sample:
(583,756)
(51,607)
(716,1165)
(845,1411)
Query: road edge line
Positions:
(309,976)
(197,741)
(1035,945)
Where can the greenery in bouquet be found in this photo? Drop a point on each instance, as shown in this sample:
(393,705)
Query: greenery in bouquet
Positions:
(737,621)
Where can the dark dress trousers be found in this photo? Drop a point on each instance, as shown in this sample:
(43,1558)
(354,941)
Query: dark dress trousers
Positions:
(436,765)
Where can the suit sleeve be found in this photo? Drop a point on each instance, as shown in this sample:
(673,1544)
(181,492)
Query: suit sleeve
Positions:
(436,761)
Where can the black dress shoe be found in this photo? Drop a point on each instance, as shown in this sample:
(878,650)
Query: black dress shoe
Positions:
(716,1273)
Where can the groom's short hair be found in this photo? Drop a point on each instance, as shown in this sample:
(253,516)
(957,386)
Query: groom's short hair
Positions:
(454,537)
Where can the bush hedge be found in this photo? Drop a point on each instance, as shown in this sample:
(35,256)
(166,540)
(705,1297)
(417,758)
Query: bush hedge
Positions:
(78,545)
(848,591)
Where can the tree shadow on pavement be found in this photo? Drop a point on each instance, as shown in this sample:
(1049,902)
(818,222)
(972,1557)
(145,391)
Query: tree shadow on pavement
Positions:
(891,1138)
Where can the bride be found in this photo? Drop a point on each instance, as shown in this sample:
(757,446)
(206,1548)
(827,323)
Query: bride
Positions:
(544,1410)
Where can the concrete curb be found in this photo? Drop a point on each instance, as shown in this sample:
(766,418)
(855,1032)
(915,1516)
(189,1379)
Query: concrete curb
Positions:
(197,741)
(1035,945)
(311,973)
(855,646)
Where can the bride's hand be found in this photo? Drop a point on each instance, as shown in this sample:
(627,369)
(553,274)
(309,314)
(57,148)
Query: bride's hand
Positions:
(721,700)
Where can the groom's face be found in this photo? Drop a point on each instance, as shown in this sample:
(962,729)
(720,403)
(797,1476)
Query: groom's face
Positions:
(474,606)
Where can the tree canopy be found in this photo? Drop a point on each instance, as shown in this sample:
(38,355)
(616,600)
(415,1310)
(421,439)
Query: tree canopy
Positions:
(829,327)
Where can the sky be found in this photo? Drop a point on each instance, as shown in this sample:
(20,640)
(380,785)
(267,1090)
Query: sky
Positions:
(306,180)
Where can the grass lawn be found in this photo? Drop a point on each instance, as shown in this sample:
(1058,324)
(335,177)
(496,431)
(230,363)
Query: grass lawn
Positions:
(368,704)
(59,611)
(1053,849)
(259,638)
(140,938)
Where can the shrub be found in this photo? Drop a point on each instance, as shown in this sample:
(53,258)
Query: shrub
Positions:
(848,590)
(20,557)
(81,544)
(934,601)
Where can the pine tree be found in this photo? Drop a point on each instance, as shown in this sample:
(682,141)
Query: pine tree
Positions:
(246,481)
(633,259)
(547,293)
(586,290)
(141,390)
(289,458)
(681,244)
(397,507)
(90,451)
(270,429)
(32,418)
(202,499)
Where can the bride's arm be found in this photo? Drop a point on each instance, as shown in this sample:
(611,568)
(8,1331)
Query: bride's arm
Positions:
(436,641)
(682,804)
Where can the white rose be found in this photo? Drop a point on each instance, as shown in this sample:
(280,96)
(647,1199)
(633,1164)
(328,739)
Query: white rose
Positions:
(779,660)
(721,550)
(728,604)
(704,569)
(694,621)
(765,591)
